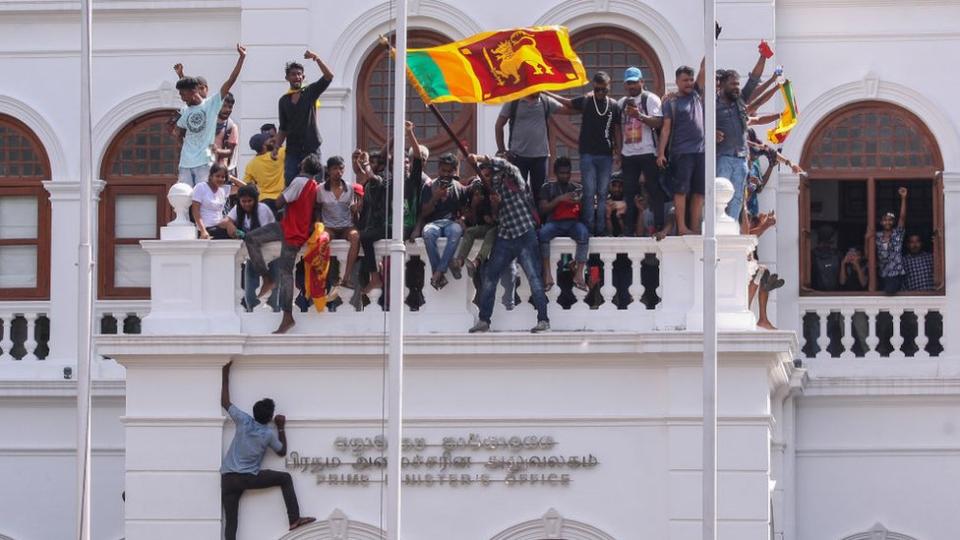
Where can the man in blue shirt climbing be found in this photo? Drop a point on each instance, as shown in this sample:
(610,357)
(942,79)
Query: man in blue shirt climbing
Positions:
(241,470)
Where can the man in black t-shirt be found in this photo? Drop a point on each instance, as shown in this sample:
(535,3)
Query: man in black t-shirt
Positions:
(298,115)
(599,146)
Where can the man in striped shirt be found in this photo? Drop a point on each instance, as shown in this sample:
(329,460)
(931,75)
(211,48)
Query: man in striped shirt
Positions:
(513,209)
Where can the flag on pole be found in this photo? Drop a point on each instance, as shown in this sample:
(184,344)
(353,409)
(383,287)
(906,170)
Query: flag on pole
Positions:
(498,66)
(788,118)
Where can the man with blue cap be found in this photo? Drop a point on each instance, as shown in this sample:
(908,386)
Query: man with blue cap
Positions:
(641,124)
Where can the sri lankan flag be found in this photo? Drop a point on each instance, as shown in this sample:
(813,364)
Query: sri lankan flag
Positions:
(494,67)
(788,118)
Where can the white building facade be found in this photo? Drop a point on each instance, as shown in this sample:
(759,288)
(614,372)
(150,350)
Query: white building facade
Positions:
(859,440)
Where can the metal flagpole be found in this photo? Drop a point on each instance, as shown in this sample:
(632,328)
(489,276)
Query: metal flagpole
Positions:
(710,277)
(85,267)
(397,260)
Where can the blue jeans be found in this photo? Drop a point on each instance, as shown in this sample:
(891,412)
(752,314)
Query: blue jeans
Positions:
(193,176)
(565,227)
(734,168)
(251,282)
(525,249)
(595,176)
(441,228)
(291,164)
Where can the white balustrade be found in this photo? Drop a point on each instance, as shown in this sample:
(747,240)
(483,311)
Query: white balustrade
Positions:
(19,322)
(892,326)
(120,311)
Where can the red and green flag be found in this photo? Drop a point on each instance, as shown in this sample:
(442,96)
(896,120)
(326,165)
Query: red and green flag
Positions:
(788,118)
(498,66)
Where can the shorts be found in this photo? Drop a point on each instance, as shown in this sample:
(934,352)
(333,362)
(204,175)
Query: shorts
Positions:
(687,173)
(193,176)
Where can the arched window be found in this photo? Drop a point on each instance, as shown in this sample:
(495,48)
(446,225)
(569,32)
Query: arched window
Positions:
(374,114)
(856,161)
(613,50)
(139,167)
(24,213)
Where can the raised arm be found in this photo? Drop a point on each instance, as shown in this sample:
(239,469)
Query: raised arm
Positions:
(324,68)
(225,387)
(412,139)
(764,119)
(178,69)
(566,104)
(701,74)
(902,192)
(761,99)
(235,74)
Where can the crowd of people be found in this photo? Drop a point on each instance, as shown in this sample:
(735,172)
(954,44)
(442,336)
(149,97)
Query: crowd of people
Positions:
(641,164)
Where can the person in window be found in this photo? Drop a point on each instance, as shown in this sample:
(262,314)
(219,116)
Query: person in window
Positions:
(249,215)
(560,206)
(292,232)
(198,122)
(826,261)
(889,243)
(298,115)
(919,265)
(853,271)
(442,200)
(209,200)
(241,470)
(339,206)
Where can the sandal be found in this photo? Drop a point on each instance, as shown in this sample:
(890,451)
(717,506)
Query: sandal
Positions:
(581,285)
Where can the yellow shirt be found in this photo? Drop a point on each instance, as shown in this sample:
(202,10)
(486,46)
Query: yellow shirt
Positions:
(267,174)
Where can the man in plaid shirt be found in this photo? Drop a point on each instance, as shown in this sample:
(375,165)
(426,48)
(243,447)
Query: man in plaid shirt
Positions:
(919,265)
(513,209)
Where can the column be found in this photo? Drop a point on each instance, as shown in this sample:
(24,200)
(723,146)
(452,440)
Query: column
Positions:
(951,226)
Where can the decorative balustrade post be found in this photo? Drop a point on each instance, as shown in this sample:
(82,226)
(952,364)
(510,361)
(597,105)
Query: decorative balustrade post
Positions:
(30,342)
(847,340)
(922,340)
(6,342)
(823,340)
(896,340)
(873,340)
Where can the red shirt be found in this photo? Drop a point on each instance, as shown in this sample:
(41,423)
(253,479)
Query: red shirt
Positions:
(300,195)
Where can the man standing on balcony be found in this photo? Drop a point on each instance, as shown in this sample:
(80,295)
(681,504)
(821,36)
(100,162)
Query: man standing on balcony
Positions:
(642,119)
(682,138)
(919,265)
(513,209)
(298,115)
(198,124)
(529,142)
(241,470)
(292,232)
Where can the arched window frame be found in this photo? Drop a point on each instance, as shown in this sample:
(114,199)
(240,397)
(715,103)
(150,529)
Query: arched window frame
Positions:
(872,175)
(153,185)
(562,129)
(371,130)
(30,186)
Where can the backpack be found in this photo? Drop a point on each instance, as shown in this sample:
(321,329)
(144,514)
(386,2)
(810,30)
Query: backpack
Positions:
(513,116)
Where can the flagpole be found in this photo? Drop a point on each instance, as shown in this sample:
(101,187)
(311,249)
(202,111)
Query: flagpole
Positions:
(85,267)
(710,277)
(397,260)
(453,136)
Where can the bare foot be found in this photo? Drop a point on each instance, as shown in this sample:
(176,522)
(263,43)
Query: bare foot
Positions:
(374,283)
(766,325)
(301,522)
(659,235)
(285,324)
(685,232)
(265,287)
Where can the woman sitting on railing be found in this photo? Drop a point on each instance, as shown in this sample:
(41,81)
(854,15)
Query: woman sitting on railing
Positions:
(246,216)
(209,200)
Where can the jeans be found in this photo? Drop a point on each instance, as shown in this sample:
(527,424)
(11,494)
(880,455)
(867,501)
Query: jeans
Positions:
(441,228)
(633,168)
(232,486)
(525,249)
(251,281)
(534,170)
(892,284)
(569,228)
(192,176)
(489,235)
(595,176)
(284,265)
(734,168)
(291,164)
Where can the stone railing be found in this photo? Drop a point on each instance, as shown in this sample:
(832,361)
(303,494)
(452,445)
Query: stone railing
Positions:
(872,327)
(24,331)
(641,285)
(119,316)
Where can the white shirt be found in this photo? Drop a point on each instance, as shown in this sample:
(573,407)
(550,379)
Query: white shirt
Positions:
(263,212)
(211,204)
(637,135)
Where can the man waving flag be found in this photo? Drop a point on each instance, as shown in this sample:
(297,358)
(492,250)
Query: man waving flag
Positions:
(498,66)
